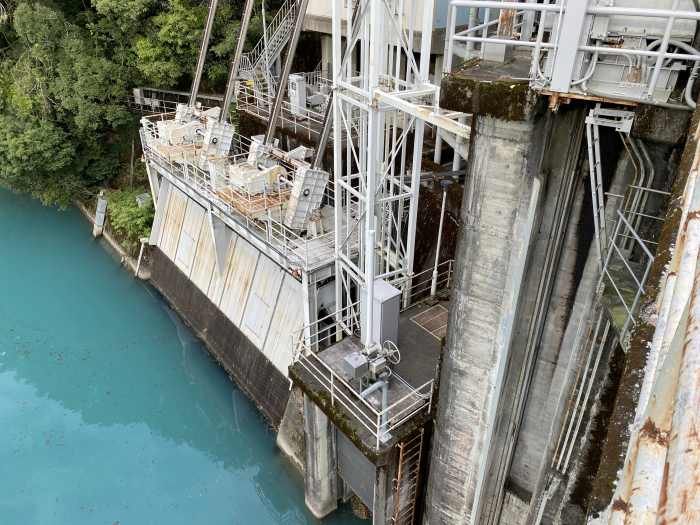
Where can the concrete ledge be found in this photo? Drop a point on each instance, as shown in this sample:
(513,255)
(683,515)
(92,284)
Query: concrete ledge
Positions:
(511,100)
(144,271)
(291,438)
(661,124)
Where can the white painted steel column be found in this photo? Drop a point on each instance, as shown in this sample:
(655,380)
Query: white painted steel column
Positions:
(373,150)
(337,157)
(437,157)
(456,161)
(307,313)
(426,38)
(267,61)
(433,285)
(369,283)
(571,26)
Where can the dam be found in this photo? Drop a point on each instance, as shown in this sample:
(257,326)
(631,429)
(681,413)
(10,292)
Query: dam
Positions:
(454,267)
(569,177)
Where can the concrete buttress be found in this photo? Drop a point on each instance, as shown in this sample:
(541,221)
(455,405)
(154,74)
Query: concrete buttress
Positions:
(320,473)
(490,263)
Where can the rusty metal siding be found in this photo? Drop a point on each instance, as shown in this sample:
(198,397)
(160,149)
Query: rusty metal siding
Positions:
(172,223)
(216,285)
(156,229)
(203,267)
(262,301)
(259,298)
(167,203)
(189,236)
(288,318)
(238,282)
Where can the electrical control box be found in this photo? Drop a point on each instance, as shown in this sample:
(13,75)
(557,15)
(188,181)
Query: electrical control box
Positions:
(297,94)
(355,365)
(387,304)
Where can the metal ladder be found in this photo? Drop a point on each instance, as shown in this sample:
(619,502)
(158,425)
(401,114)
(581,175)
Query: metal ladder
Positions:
(620,121)
(410,455)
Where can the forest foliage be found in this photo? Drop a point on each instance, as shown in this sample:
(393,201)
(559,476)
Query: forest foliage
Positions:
(130,221)
(67,65)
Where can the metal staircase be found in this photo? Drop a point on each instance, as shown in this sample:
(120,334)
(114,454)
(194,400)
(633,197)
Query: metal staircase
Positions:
(252,66)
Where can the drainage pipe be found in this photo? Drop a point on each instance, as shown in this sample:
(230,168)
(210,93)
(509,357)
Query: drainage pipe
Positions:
(629,238)
(652,174)
(582,410)
(143,240)
(385,399)
(577,403)
(433,286)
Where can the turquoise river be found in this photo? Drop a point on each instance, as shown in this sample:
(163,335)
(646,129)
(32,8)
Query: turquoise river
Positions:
(111,411)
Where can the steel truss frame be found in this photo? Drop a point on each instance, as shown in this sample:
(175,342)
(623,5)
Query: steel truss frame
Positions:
(377,113)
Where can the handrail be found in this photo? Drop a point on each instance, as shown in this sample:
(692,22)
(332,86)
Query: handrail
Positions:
(542,43)
(180,160)
(274,39)
(354,403)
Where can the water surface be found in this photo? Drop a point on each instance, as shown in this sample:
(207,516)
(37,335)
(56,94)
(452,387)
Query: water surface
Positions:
(110,409)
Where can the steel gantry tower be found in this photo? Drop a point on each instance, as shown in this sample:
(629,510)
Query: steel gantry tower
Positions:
(380,114)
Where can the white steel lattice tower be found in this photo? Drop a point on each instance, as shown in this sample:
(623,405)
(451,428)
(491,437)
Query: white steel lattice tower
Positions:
(385,105)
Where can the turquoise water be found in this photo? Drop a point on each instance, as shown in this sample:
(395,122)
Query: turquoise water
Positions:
(110,409)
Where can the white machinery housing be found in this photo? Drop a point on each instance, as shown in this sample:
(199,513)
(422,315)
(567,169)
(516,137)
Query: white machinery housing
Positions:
(307,194)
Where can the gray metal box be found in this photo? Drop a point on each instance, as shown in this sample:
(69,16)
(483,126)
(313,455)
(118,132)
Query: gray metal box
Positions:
(387,304)
(377,366)
(355,365)
(297,94)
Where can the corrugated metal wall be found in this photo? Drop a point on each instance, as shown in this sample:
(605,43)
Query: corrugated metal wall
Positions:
(263,301)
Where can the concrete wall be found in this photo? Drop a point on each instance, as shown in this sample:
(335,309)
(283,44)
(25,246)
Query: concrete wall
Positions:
(506,157)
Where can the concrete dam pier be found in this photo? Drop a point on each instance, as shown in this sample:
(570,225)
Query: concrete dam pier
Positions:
(456,266)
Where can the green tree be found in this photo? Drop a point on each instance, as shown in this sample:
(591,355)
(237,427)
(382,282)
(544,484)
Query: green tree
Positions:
(129,221)
(65,67)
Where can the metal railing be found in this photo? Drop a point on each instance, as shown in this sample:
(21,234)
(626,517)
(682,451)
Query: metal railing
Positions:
(155,101)
(184,162)
(256,101)
(417,287)
(562,52)
(347,398)
(314,337)
(277,31)
(623,256)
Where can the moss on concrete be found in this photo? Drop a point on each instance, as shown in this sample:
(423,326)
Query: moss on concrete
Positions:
(501,99)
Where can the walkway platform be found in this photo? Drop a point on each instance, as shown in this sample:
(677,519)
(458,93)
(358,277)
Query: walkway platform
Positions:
(421,329)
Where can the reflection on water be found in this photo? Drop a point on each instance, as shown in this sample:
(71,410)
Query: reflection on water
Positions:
(110,408)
